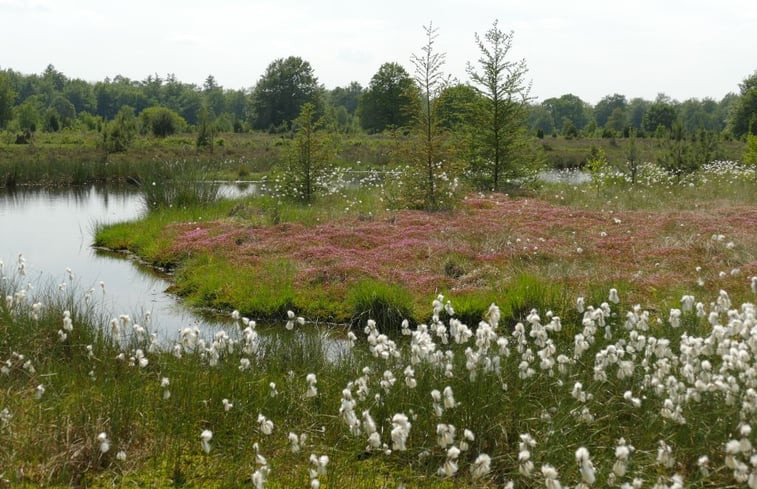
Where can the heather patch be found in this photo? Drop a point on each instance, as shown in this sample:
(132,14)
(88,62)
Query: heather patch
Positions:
(495,237)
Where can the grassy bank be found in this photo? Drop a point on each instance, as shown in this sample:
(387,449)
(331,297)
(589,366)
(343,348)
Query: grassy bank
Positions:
(346,254)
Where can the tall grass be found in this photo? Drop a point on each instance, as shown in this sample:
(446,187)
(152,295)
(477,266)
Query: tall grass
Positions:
(510,378)
(387,304)
(176,184)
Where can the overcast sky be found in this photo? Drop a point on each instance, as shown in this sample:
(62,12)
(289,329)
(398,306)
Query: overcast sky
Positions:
(589,48)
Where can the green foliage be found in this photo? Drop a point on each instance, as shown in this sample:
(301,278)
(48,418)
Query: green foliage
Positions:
(632,156)
(81,95)
(706,147)
(743,120)
(161,121)
(347,97)
(750,152)
(703,114)
(617,120)
(637,107)
(65,110)
(120,132)
(27,116)
(597,162)
(387,304)
(389,101)
(503,84)
(431,165)
(280,93)
(205,130)
(7,97)
(678,158)
(88,121)
(569,107)
(659,114)
(215,101)
(540,119)
(460,107)
(52,120)
(604,109)
(309,155)
(569,130)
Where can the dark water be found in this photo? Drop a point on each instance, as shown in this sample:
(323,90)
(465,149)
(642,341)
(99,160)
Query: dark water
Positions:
(53,229)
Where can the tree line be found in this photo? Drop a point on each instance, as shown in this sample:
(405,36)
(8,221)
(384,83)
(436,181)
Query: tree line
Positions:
(51,101)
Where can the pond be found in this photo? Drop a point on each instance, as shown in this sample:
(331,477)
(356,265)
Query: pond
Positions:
(53,229)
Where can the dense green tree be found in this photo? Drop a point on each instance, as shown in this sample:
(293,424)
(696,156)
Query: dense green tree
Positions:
(285,86)
(700,114)
(678,156)
(189,105)
(569,107)
(460,107)
(21,84)
(744,118)
(389,100)
(28,114)
(347,97)
(81,94)
(54,78)
(7,98)
(617,121)
(569,130)
(214,102)
(540,119)
(502,82)
(706,147)
(605,107)
(637,107)
(113,94)
(661,113)
(161,121)
(152,87)
(65,110)
(236,103)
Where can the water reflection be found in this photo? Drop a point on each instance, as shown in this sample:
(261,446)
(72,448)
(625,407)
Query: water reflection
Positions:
(53,228)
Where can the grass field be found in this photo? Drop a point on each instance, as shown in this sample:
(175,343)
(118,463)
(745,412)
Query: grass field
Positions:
(75,157)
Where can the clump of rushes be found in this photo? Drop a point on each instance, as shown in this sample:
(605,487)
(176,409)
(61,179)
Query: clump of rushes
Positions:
(387,304)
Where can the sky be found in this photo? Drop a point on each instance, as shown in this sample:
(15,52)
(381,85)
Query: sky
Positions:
(589,48)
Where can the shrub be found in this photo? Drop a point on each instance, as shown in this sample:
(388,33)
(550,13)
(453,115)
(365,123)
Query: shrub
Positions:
(120,132)
(161,121)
